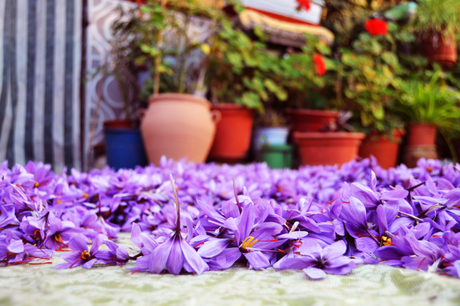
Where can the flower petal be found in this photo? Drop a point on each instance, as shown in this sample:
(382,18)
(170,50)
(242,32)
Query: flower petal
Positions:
(314,273)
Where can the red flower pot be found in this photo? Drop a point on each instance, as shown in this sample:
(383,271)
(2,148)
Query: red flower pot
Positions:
(437,48)
(327,148)
(384,149)
(421,134)
(233,133)
(308,120)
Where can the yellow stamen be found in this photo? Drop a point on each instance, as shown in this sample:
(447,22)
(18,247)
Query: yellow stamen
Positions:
(36,185)
(248,242)
(85,195)
(429,169)
(386,241)
(85,255)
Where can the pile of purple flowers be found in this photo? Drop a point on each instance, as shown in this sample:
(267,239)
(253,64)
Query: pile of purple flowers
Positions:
(199,217)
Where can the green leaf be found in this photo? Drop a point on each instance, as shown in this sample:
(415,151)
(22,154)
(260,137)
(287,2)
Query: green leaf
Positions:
(280,93)
(390,58)
(378,111)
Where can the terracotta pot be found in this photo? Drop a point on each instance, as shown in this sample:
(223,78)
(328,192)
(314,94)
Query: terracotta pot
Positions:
(384,149)
(436,48)
(233,133)
(327,148)
(308,120)
(120,124)
(178,126)
(421,134)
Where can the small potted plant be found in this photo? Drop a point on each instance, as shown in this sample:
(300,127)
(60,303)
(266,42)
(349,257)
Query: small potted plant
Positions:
(426,107)
(239,74)
(307,78)
(304,78)
(123,142)
(270,139)
(439,24)
(370,73)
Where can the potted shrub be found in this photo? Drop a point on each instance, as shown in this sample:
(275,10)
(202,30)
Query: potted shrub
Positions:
(178,122)
(426,107)
(123,142)
(307,78)
(303,77)
(370,73)
(239,78)
(336,145)
(438,22)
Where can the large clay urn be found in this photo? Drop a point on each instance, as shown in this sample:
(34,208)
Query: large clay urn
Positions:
(178,126)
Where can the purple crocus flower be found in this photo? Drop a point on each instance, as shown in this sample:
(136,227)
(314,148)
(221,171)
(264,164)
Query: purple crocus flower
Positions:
(59,232)
(316,260)
(81,256)
(175,253)
(116,254)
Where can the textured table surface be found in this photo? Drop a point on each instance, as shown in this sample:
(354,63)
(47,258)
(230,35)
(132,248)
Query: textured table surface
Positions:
(366,285)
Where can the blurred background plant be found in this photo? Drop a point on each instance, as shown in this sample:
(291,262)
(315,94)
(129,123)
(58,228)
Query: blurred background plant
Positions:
(369,72)
(433,103)
(438,16)
(241,70)
(308,75)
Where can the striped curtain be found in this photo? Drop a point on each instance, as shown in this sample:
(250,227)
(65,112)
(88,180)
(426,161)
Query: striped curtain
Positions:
(40,66)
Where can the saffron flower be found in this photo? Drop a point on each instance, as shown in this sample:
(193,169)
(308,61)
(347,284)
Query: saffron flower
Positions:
(316,259)
(81,256)
(175,253)
(376,27)
(320,64)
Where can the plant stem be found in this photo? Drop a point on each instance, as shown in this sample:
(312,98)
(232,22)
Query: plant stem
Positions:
(183,56)
(156,82)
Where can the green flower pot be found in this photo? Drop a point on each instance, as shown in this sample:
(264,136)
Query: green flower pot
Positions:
(277,157)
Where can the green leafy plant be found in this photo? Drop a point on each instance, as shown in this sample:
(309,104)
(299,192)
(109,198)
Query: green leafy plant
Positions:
(431,103)
(306,81)
(159,42)
(439,16)
(241,70)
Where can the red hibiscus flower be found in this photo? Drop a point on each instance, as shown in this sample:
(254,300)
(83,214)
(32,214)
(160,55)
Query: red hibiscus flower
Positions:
(303,4)
(320,64)
(376,27)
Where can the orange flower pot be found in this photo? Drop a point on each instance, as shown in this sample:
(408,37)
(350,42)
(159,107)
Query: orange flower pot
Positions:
(308,120)
(330,148)
(178,126)
(384,149)
(233,133)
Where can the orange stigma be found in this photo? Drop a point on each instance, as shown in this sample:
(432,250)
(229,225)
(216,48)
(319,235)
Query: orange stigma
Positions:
(58,238)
